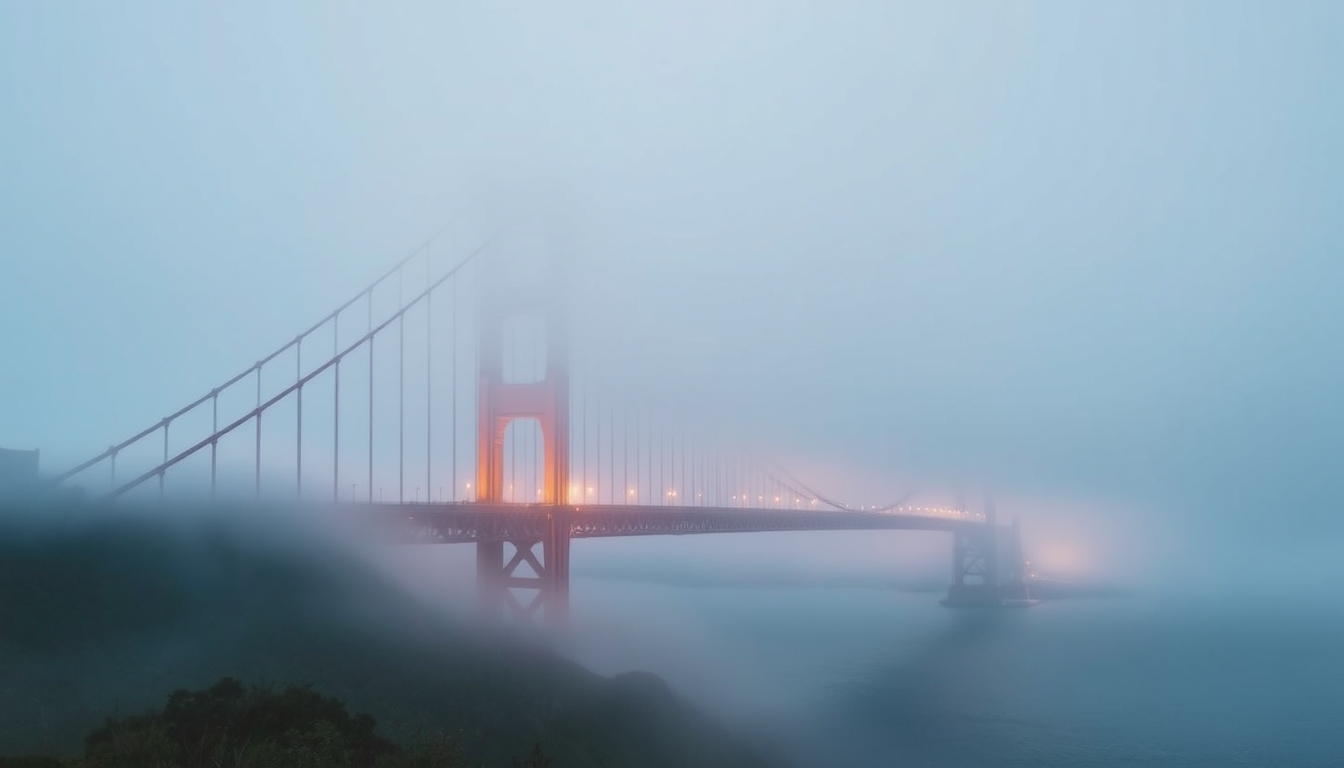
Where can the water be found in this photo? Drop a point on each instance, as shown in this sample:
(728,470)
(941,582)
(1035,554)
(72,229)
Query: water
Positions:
(871,677)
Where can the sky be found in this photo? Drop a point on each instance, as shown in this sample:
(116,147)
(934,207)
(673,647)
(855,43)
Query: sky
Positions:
(1084,256)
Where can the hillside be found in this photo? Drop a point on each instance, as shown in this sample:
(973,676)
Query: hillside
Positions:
(107,613)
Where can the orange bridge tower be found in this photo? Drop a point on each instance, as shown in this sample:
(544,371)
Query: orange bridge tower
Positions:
(526,569)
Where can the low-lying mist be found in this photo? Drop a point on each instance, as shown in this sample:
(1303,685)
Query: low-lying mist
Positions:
(107,611)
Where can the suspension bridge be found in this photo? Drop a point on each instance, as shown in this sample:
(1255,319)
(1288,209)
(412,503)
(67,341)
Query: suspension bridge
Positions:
(438,403)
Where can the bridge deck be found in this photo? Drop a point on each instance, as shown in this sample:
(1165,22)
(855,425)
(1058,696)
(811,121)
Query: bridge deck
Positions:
(469,522)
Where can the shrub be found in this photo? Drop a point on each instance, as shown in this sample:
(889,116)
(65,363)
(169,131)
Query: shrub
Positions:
(228,725)
(231,726)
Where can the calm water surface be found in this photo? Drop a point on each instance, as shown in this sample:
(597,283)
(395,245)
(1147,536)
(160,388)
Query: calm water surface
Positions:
(869,677)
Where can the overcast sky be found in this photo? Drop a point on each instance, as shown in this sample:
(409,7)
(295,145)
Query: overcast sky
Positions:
(1066,250)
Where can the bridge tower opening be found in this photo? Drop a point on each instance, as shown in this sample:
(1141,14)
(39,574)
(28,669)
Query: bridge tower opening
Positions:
(524,375)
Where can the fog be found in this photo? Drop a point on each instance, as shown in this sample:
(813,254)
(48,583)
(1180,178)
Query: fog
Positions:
(1079,259)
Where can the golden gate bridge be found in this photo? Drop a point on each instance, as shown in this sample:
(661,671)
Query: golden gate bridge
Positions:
(367,410)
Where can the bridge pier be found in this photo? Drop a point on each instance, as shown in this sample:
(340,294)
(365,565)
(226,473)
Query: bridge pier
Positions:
(532,580)
(988,568)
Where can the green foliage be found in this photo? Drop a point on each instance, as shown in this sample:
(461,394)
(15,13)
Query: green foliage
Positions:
(537,760)
(439,751)
(231,726)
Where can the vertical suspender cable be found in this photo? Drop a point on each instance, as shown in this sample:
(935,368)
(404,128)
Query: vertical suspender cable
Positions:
(401,393)
(597,478)
(298,440)
(529,459)
(685,488)
(721,493)
(336,411)
(429,385)
(676,472)
(674,484)
(474,337)
(741,472)
(692,468)
(370,332)
(701,484)
(639,462)
(625,457)
(597,449)
(611,449)
(165,456)
(258,453)
(452,331)
(678,463)
(687,471)
(702,477)
(514,482)
(214,443)
(718,479)
(370,416)
(748,484)
(583,442)
(336,434)
(715,470)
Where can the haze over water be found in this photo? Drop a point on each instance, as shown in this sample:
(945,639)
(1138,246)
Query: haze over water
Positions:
(869,677)
(1083,259)
(851,666)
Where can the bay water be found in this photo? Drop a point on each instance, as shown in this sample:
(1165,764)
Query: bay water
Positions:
(863,676)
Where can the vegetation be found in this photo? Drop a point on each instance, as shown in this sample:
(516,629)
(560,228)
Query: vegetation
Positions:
(110,612)
(231,726)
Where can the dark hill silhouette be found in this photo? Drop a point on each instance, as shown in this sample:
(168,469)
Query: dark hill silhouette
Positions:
(106,613)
